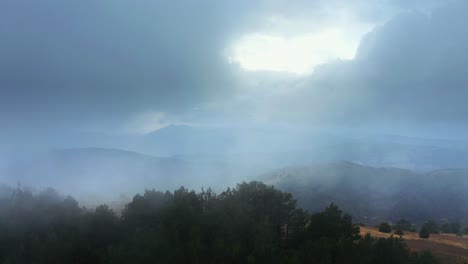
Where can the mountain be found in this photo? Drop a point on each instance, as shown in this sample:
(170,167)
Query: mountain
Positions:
(374,194)
(413,156)
(190,140)
(85,172)
(267,147)
(88,171)
(181,139)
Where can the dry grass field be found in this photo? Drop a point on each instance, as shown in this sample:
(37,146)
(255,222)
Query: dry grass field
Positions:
(449,247)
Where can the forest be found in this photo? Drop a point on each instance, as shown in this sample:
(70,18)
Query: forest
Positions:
(251,223)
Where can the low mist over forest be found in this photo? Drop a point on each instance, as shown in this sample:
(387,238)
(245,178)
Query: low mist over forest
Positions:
(249,131)
(250,223)
(211,157)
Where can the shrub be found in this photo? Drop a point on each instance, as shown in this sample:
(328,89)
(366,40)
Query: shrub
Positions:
(424,232)
(432,227)
(385,227)
(403,225)
(399,232)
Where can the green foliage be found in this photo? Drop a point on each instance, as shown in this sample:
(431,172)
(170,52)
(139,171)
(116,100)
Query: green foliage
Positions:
(403,225)
(331,223)
(385,227)
(252,223)
(423,257)
(432,227)
(390,250)
(399,232)
(424,232)
(451,227)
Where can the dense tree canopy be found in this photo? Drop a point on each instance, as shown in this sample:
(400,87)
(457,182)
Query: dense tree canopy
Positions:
(252,223)
(451,227)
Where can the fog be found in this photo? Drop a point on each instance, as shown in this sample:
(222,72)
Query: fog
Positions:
(102,100)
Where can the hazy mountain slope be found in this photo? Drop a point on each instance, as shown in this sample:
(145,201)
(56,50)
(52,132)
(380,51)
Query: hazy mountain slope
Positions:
(401,155)
(189,140)
(85,172)
(372,194)
(90,171)
(270,148)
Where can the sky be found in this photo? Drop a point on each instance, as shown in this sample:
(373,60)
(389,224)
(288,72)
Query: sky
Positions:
(115,66)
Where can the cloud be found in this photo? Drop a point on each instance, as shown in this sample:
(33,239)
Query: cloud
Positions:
(411,70)
(296,55)
(108,63)
(86,60)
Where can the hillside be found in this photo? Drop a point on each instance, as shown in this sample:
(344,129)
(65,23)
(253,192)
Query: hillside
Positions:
(282,146)
(94,173)
(375,194)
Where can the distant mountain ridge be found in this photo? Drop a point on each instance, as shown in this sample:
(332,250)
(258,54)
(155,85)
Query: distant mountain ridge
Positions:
(284,146)
(84,171)
(89,170)
(374,194)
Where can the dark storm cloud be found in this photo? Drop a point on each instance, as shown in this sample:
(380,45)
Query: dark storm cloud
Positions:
(75,60)
(79,62)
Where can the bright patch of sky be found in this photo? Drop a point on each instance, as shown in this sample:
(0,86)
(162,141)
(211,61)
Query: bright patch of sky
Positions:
(297,54)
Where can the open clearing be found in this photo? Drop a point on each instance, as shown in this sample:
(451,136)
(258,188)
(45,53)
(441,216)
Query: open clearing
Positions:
(449,247)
